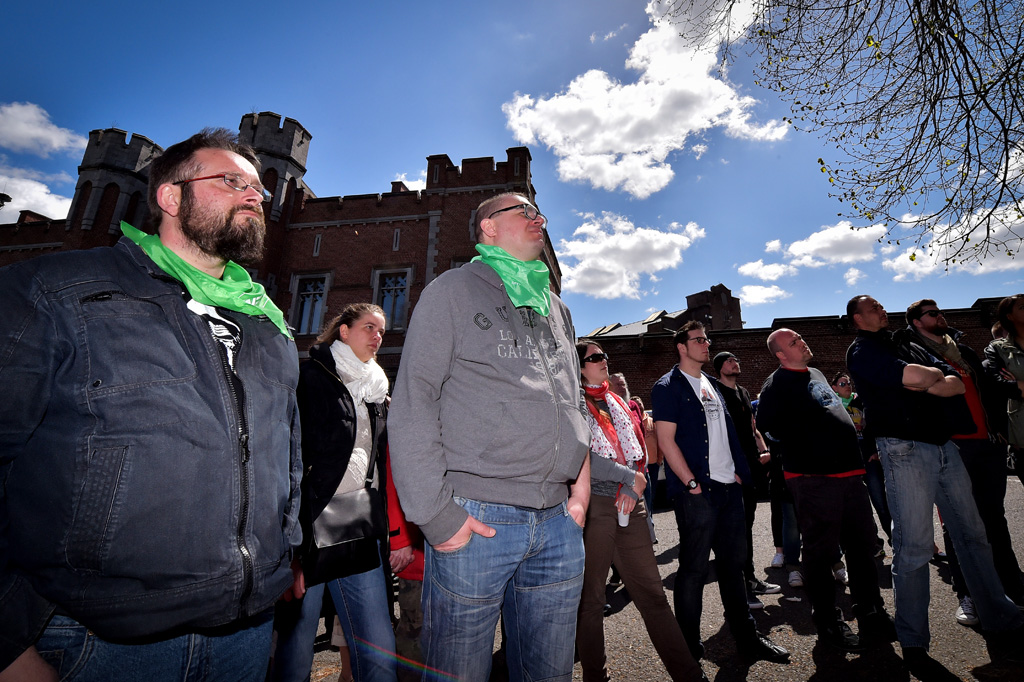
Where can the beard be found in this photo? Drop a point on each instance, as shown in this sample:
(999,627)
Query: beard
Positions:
(223,236)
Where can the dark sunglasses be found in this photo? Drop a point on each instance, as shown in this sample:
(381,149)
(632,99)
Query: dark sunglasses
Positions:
(843,384)
(932,313)
(595,357)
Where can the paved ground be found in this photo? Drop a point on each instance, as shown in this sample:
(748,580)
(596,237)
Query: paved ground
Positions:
(786,618)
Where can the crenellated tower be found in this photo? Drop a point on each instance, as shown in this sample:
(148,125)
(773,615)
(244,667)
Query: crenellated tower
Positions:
(282,148)
(111,186)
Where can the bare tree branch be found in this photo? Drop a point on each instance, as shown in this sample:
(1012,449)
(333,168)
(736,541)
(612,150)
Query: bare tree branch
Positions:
(923,98)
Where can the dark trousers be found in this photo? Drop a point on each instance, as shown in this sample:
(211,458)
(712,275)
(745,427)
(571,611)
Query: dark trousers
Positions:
(631,550)
(833,512)
(986,466)
(712,520)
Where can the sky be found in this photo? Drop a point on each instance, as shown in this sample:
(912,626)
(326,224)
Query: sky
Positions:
(660,175)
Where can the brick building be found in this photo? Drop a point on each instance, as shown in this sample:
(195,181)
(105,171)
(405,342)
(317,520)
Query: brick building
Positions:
(322,252)
(643,351)
(326,252)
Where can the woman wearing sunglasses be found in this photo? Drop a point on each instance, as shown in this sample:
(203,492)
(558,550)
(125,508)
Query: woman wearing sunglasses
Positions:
(617,530)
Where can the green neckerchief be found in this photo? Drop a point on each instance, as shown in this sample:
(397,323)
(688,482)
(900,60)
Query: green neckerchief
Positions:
(847,401)
(235,290)
(527,283)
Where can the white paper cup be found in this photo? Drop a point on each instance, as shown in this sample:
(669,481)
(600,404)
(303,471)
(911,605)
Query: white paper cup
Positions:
(623,518)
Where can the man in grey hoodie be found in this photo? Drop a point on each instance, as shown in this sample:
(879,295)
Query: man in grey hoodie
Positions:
(488,442)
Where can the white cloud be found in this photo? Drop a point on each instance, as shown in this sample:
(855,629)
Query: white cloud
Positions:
(617,135)
(766,273)
(755,294)
(32,195)
(26,128)
(774,246)
(836,244)
(607,36)
(699,150)
(413,185)
(607,255)
(917,262)
(852,276)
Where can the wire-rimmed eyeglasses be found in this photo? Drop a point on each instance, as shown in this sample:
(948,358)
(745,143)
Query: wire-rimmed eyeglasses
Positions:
(235,182)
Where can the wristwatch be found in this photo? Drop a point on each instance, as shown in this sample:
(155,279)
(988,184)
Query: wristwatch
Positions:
(692,485)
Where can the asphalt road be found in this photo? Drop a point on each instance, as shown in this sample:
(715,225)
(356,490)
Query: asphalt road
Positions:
(786,619)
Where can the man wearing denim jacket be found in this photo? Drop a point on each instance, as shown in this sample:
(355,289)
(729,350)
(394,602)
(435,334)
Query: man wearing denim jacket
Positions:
(705,471)
(149,447)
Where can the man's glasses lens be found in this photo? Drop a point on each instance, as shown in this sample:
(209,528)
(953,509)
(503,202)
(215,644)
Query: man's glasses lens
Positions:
(701,340)
(595,357)
(236,182)
(529,211)
(932,313)
(843,384)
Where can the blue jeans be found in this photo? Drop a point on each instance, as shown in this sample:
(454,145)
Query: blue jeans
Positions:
(531,572)
(236,652)
(712,520)
(364,610)
(917,476)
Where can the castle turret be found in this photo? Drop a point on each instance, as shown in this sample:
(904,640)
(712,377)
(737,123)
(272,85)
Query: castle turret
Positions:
(111,185)
(282,149)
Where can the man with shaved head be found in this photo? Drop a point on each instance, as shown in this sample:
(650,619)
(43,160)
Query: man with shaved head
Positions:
(914,403)
(807,425)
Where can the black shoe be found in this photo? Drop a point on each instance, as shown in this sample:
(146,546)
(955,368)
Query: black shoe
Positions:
(839,635)
(877,626)
(760,648)
(757,586)
(924,667)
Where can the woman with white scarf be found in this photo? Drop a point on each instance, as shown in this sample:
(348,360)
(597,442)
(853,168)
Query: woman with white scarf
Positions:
(616,530)
(342,395)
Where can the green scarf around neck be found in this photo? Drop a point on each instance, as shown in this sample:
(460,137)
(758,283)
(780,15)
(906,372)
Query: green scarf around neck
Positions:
(527,283)
(235,290)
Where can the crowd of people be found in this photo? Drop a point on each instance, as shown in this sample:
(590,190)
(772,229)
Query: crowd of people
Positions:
(180,495)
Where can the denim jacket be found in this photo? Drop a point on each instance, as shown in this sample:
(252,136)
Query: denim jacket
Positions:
(145,490)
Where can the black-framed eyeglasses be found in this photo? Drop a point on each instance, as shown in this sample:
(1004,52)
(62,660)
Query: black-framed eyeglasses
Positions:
(529,211)
(234,181)
(932,313)
(701,340)
(595,357)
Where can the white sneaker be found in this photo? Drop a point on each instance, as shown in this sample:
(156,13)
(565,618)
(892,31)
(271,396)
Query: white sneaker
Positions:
(841,576)
(778,561)
(796,579)
(965,613)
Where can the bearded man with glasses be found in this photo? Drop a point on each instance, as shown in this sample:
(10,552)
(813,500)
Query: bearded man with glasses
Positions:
(705,471)
(151,460)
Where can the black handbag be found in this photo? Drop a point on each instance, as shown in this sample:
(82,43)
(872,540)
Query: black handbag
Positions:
(345,534)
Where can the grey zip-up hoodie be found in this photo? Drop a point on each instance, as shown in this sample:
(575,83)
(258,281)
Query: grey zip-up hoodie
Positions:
(487,404)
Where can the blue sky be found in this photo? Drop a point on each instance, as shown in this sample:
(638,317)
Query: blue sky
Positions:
(660,178)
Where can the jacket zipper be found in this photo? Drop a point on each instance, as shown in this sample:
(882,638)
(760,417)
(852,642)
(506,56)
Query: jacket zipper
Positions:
(237,391)
(532,331)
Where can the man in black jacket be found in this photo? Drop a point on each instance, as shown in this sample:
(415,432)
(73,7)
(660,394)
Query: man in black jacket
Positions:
(983,456)
(807,425)
(914,404)
(737,401)
(150,462)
